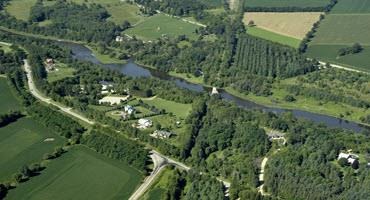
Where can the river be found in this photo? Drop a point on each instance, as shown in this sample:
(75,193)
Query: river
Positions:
(80,52)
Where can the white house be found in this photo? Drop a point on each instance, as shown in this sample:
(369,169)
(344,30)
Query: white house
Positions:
(129,109)
(144,123)
(161,134)
(348,156)
(119,39)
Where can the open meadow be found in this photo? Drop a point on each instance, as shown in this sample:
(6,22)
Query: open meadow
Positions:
(286,3)
(81,174)
(294,24)
(20,9)
(8,101)
(351,7)
(22,143)
(161,25)
(178,109)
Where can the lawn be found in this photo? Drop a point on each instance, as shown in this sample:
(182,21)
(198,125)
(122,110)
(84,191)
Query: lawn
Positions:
(5,47)
(161,25)
(62,71)
(22,142)
(286,3)
(119,11)
(274,37)
(81,174)
(8,100)
(178,109)
(20,9)
(293,24)
(342,30)
(352,6)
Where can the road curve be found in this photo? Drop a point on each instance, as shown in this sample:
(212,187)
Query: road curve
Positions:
(38,95)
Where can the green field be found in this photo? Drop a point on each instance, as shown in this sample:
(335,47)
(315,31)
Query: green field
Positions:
(80,174)
(274,37)
(62,71)
(22,142)
(119,11)
(20,9)
(161,25)
(329,53)
(7,99)
(178,109)
(158,190)
(5,47)
(352,6)
(286,3)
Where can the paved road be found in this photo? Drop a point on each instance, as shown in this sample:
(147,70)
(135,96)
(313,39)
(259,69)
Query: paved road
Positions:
(38,95)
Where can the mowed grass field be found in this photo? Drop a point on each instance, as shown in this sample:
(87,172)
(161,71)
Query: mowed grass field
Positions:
(63,71)
(20,9)
(347,24)
(8,101)
(161,25)
(352,6)
(178,109)
(294,24)
(22,143)
(286,3)
(80,174)
(119,11)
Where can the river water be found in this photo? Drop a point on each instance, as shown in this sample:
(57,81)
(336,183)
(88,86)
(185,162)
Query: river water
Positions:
(132,69)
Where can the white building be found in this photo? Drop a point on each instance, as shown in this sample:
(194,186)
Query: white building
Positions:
(144,123)
(129,109)
(119,39)
(348,156)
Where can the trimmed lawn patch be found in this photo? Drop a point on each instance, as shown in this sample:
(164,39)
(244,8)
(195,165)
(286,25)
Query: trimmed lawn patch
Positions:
(20,9)
(81,174)
(178,109)
(62,71)
(161,25)
(8,100)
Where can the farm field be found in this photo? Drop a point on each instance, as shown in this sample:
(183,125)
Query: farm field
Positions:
(351,7)
(7,99)
(20,9)
(286,3)
(162,25)
(81,174)
(346,25)
(295,24)
(274,37)
(119,11)
(22,142)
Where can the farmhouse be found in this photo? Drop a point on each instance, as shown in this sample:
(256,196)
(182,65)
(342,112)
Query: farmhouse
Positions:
(161,134)
(114,100)
(49,64)
(144,123)
(351,158)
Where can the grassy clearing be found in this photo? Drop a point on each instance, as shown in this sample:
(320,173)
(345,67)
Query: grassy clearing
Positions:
(159,187)
(286,3)
(294,24)
(119,11)
(62,71)
(274,37)
(105,58)
(329,53)
(352,6)
(161,25)
(21,143)
(188,77)
(20,9)
(5,47)
(178,109)
(81,174)
(8,100)
(45,23)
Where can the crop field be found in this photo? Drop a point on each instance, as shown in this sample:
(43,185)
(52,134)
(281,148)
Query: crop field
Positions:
(348,24)
(22,142)
(119,11)
(274,37)
(351,7)
(20,9)
(7,99)
(81,174)
(294,24)
(161,25)
(286,3)
(178,109)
